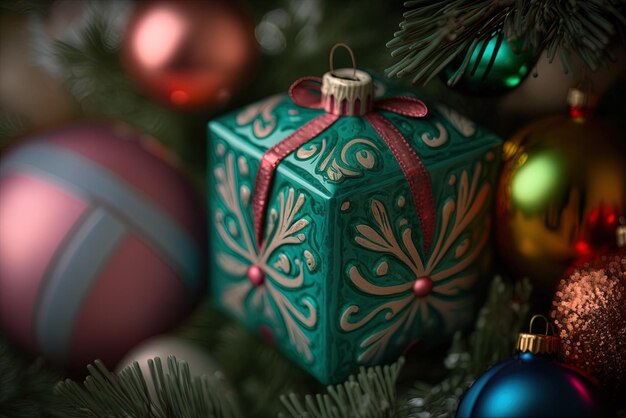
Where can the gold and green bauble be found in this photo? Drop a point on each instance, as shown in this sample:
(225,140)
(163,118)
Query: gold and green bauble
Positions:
(560,194)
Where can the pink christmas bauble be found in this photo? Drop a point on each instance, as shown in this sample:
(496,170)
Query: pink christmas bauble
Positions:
(102,243)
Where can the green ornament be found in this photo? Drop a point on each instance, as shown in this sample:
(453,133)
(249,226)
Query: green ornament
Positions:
(510,67)
(342,278)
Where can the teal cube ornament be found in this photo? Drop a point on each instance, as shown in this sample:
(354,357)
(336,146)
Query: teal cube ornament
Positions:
(339,269)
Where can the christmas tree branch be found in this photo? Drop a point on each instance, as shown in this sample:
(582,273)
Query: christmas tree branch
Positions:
(25,6)
(26,387)
(88,63)
(371,394)
(260,372)
(178,394)
(11,125)
(435,33)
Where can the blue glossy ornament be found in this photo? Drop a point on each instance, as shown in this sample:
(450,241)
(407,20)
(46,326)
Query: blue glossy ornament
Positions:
(532,385)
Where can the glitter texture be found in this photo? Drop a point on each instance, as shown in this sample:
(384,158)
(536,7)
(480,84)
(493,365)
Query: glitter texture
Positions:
(589,311)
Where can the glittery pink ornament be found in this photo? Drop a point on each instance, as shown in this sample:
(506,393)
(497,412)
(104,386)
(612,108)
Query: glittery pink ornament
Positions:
(589,311)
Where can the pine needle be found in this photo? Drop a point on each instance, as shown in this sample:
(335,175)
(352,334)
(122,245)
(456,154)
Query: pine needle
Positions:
(11,126)
(26,387)
(370,394)
(178,394)
(433,28)
(89,64)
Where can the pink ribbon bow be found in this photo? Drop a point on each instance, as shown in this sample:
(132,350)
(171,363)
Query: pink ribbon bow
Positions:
(305,92)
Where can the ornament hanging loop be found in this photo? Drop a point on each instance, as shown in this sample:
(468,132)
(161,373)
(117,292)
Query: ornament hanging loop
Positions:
(549,325)
(532,320)
(346,91)
(331,58)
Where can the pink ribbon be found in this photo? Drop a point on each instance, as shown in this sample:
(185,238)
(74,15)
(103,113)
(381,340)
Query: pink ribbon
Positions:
(305,92)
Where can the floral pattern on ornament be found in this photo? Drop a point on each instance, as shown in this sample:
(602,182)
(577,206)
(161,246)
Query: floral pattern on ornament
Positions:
(460,122)
(280,274)
(432,288)
(337,163)
(261,115)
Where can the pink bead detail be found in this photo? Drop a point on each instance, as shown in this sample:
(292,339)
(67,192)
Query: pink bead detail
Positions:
(343,108)
(256,275)
(422,286)
(329,104)
(267,335)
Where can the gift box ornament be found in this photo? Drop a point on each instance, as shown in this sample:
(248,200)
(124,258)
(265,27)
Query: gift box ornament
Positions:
(348,221)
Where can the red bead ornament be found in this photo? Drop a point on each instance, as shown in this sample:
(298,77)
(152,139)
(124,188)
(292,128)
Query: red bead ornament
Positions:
(256,275)
(422,286)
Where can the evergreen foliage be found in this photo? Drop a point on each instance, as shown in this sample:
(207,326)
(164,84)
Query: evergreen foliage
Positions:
(177,393)
(371,394)
(434,33)
(27,387)
(91,70)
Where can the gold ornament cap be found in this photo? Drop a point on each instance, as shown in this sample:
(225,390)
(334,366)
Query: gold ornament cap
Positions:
(581,98)
(582,103)
(538,343)
(347,91)
(621,233)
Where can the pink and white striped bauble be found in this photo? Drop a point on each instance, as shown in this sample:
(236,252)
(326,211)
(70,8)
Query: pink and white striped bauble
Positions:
(102,243)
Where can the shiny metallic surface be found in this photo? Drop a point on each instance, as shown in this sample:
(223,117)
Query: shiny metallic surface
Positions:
(529,385)
(189,54)
(558,177)
(490,75)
